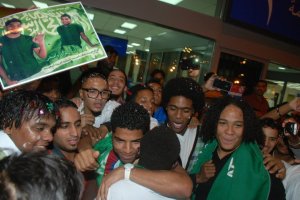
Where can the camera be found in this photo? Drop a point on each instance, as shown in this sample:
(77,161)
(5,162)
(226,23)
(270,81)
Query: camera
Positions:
(291,128)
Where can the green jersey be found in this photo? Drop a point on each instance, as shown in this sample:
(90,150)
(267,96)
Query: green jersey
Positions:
(18,58)
(70,34)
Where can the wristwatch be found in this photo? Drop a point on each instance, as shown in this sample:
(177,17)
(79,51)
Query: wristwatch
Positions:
(128,167)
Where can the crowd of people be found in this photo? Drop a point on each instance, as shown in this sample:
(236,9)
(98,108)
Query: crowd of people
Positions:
(156,140)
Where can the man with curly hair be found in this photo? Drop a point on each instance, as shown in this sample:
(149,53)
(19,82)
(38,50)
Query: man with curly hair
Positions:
(182,97)
(27,120)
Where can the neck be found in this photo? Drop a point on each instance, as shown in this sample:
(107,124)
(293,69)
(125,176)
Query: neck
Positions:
(69,155)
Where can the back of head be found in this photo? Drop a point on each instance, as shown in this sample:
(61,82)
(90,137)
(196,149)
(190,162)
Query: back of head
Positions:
(38,175)
(185,87)
(20,106)
(159,149)
(131,116)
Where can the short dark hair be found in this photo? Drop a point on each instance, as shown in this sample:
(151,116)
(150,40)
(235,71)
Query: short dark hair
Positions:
(153,80)
(185,87)
(91,73)
(134,90)
(159,149)
(252,129)
(110,50)
(8,22)
(65,15)
(19,106)
(39,175)
(157,71)
(269,122)
(119,70)
(64,103)
(131,116)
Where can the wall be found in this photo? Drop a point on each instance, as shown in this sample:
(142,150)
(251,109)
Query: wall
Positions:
(227,37)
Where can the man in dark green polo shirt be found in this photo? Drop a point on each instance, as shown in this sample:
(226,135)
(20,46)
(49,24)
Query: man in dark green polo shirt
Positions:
(17,60)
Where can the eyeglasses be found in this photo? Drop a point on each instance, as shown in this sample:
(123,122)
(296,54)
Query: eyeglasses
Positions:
(94,93)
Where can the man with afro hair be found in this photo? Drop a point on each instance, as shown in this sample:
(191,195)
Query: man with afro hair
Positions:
(182,98)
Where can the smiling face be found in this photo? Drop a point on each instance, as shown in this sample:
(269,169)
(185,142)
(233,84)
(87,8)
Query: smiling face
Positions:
(157,90)
(271,139)
(116,82)
(34,134)
(68,133)
(230,129)
(126,144)
(93,105)
(65,20)
(146,99)
(179,111)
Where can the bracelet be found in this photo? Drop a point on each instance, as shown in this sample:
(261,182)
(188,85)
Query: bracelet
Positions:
(277,110)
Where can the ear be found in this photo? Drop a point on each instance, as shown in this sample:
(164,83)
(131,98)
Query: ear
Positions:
(81,93)
(8,130)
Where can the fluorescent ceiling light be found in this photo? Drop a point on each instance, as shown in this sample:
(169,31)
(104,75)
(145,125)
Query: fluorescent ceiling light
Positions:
(128,25)
(135,44)
(173,2)
(8,5)
(40,4)
(163,33)
(148,38)
(146,49)
(119,31)
(129,46)
(90,16)
(282,68)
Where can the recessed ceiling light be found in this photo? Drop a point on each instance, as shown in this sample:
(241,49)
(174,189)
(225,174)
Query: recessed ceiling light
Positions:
(146,49)
(128,25)
(135,44)
(173,2)
(129,46)
(148,38)
(90,16)
(8,5)
(119,31)
(40,4)
(282,68)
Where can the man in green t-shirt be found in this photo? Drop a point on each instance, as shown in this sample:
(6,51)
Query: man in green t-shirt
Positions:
(17,60)
(70,34)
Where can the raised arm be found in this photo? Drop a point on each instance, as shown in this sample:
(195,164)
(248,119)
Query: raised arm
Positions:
(173,183)
(41,50)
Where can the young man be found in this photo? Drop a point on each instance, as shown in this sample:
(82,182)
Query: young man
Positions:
(159,150)
(68,131)
(129,123)
(71,33)
(27,120)
(94,107)
(38,175)
(17,59)
(117,84)
(257,100)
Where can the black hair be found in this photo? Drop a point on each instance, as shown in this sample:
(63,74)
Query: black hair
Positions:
(134,90)
(91,73)
(8,22)
(252,130)
(154,80)
(158,71)
(185,87)
(131,116)
(159,149)
(48,84)
(269,122)
(110,50)
(64,103)
(19,106)
(39,175)
(65,15)
(119,70)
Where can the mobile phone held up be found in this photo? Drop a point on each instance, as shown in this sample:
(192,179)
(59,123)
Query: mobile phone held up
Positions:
(291,128)
(230,88)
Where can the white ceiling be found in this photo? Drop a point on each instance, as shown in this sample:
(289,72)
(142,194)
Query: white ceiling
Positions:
(106,23)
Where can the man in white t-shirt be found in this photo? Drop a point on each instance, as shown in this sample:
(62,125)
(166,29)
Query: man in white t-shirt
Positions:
(159,150)
(26,122)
